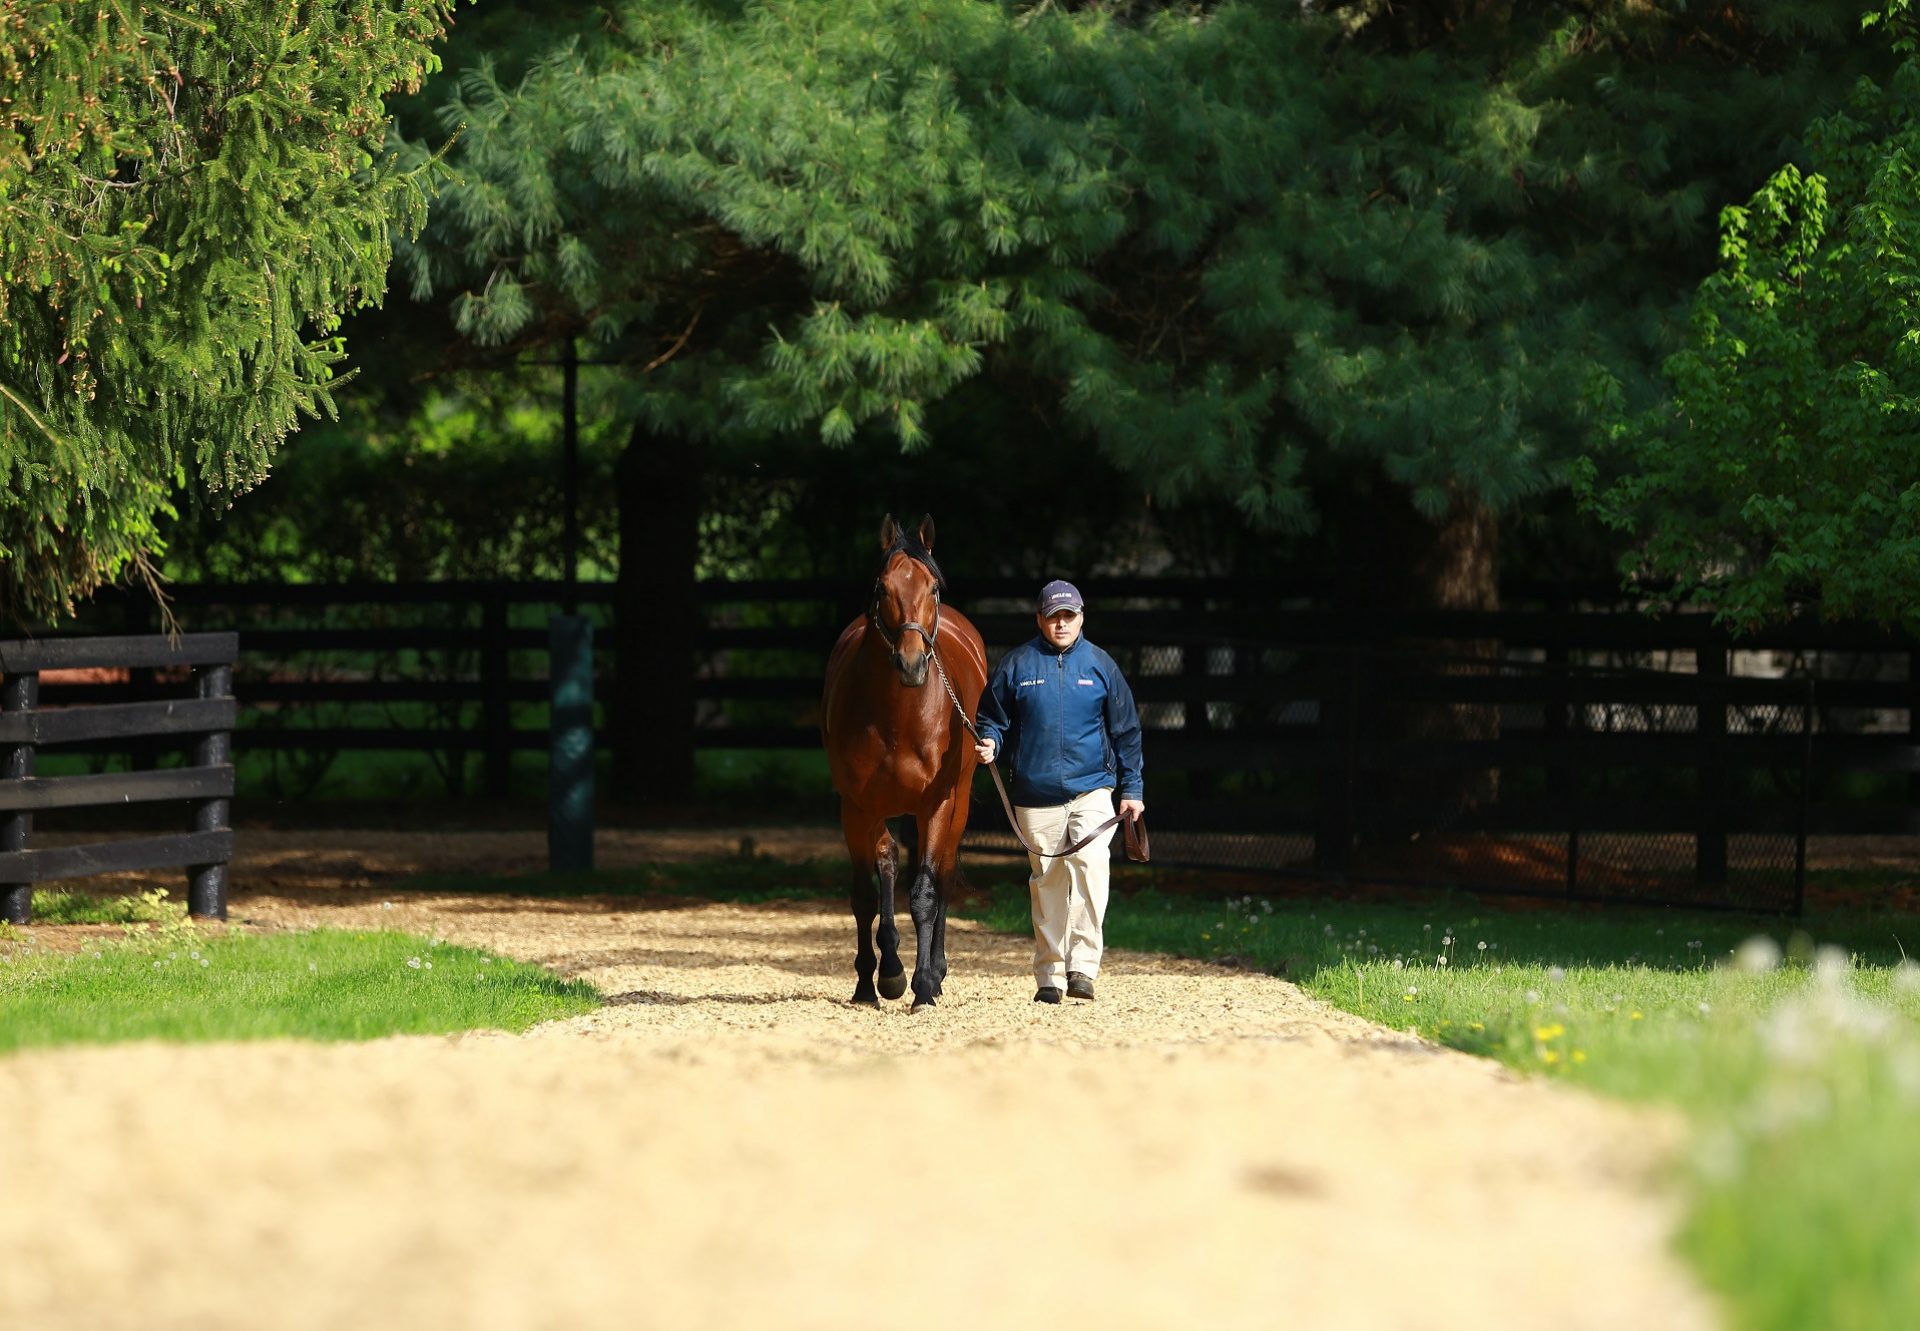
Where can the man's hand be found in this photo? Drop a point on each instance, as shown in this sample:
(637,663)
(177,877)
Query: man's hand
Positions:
(985,749)
(1132,809)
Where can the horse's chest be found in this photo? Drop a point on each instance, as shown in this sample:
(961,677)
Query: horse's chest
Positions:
(880,757)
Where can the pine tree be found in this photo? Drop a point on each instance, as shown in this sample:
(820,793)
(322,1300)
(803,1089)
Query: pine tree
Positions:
(191,195)
(1240,248)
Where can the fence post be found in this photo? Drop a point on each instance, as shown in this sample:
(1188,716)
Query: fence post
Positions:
(1808,711)
(1193,686)
(1913,720)
(496,719)
(19,693)
(1710,785)
(1333,828)
(207,883)
(570,743)
(1576,726)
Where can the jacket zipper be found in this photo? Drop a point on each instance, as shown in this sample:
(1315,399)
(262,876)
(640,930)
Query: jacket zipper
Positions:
(1060,723)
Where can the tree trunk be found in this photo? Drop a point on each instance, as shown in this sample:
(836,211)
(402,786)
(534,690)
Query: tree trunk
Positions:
(656,619)
(1398,560)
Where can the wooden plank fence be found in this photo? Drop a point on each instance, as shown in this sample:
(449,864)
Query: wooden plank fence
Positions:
(206,718)
(1264,706)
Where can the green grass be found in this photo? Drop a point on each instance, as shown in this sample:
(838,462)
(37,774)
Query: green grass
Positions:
(323,985)
(59,906)
(1797,1059)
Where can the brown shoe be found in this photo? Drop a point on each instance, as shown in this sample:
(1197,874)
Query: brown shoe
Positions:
(1079,986)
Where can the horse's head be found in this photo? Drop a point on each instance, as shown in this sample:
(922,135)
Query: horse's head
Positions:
(906,598)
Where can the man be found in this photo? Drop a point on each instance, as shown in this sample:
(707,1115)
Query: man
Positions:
(1063,714)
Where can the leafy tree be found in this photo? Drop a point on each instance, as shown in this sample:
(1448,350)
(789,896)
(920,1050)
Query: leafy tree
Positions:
(1785,470)
(191,196)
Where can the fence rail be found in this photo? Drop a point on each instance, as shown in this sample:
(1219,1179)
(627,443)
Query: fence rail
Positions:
(1626,739)
(207,719)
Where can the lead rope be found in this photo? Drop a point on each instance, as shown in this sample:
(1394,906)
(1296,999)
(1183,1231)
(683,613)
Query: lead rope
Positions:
(993,770)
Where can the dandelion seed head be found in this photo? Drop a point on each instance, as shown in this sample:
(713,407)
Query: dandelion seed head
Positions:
(1757,955)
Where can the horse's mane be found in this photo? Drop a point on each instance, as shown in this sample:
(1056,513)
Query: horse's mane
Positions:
(908,543)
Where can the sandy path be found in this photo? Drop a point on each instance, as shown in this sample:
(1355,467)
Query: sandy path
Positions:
(727,1144)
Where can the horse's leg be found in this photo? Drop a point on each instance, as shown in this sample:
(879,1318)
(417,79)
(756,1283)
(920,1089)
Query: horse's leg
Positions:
(947,874)
(893,978)
(863,834)
(923,899)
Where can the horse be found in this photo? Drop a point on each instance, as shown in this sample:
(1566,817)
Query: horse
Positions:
(902,758)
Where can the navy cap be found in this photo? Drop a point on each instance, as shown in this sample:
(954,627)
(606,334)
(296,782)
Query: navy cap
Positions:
(1058,595)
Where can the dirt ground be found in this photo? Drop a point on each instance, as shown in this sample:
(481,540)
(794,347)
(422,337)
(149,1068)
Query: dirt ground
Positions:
(728,1144)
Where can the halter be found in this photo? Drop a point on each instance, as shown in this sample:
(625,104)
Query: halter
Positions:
(872,609)
(893,639)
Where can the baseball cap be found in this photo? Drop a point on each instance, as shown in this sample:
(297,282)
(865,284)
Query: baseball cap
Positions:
(1059,595)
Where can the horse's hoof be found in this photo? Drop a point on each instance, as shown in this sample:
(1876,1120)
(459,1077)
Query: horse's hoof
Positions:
(919,1003)
(892,986)
(864,1000)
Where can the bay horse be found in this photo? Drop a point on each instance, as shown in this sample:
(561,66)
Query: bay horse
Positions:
(902,759)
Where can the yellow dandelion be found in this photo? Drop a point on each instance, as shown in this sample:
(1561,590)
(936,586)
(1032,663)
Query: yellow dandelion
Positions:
(1579,1055)
(1552,1032)
(1550,1056)
(1633,1016)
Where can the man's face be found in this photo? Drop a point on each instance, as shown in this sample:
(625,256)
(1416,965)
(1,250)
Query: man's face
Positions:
(1061,628)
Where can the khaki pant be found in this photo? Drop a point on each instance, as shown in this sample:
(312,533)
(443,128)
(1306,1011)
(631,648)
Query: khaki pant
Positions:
(1068,893)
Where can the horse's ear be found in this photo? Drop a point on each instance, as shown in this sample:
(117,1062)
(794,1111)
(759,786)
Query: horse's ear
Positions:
(926,531)
(889,532)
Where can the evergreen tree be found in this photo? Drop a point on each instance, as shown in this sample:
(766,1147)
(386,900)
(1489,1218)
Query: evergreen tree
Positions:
(1241,249)
(1785,470)
(191,195)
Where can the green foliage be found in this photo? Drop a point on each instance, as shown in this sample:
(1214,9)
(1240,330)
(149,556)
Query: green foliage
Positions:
(324,985)
(1786,468)
(65,906)
(467,487)
(190,198)
(1233,246)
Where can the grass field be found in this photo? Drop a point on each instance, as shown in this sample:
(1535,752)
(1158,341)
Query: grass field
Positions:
(175,984)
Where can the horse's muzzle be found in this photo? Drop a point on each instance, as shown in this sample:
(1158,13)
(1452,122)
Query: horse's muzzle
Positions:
(912,673)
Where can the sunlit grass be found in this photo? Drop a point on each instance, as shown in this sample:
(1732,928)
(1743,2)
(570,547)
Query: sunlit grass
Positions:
(323,985)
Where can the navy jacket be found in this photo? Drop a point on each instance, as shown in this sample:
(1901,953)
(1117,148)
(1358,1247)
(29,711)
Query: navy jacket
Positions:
(1064,722)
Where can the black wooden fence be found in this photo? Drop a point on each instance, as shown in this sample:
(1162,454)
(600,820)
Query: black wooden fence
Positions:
(205,716)
(1567,744)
